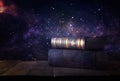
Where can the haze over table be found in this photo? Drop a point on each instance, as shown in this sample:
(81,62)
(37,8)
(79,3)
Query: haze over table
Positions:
(26,26)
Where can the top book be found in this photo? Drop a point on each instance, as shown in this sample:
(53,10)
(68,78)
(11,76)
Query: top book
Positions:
(88,43)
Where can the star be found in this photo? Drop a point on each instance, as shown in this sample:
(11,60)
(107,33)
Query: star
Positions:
(53,8)
(99,9)
(72,17)
(71,25)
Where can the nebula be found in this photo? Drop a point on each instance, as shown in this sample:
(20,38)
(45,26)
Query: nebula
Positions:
(2,8)
(30,28)
(9,8)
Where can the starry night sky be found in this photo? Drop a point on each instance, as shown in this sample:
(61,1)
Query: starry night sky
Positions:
(26,26)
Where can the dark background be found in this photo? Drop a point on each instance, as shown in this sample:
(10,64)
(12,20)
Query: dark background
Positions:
(27,35)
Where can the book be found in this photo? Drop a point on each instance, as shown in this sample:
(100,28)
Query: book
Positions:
(86,43)
(100,60)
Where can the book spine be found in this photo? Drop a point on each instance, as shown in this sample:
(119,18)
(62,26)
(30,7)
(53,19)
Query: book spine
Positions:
(98,60)
(97,43)
(77,43)
(71,58)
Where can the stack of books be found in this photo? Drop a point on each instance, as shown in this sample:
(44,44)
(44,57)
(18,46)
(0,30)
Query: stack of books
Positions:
(86,53)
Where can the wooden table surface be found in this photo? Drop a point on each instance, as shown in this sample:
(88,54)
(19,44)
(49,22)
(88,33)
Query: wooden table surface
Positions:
(42,68)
